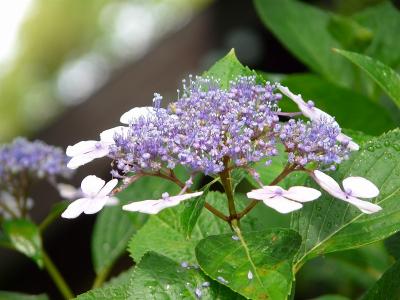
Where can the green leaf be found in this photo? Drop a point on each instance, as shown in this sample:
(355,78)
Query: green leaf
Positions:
(25,237)
(303,29)
(168,238)
(392,245)
(339,102)
(191,213)
(383,75)
(384,21)
(158,277)
(329,225)
(267,254)
(331,297)
(387,287)
(228,68)
(350,33)
(19,296)
(111,234)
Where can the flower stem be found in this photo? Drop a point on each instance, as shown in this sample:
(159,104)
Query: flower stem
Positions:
(57,277)
(101,277)
(226,181)
(286,171)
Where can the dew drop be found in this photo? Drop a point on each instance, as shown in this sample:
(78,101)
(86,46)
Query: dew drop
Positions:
(386,143)
(250,275)
(371,148)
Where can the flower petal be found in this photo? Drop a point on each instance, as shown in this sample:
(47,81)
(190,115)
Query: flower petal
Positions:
(82,159)
(75,208)
(68,191)
(135,113)
(265,192)
(329,184)
(282,205)
(95,205)
(109,134)
(342,138)
(108,188)
(81,148)
(364,206)
(146,206)
(183,197)
(91,185)
(112,201)
(360,187)
(302,193)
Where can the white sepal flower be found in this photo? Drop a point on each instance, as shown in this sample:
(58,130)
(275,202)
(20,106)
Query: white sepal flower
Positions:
(353,187)
(68,191)
(95,196)
(86,151)
(284,201)
(136,113)
(155,206)
(315,114)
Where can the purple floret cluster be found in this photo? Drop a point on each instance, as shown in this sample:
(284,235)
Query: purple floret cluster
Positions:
(208,126)
(313,142)
(25,160)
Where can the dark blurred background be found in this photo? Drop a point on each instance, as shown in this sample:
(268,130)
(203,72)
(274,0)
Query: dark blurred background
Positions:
(70,68)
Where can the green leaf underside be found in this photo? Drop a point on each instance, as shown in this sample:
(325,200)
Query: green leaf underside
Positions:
(339,102)
(387,287)
(331,297)
(158,277)
(387,78)
(5,295)
(298,25)
(111,234)
(267,254)
(25,238)
(329,224)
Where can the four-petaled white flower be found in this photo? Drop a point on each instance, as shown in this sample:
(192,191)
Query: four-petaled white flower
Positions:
(315,114)
(353,187)
(86,151)
(136,113)
(95,196)
(284,201)
(155,206)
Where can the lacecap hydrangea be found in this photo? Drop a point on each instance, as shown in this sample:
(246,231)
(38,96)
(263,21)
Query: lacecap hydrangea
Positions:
(212,130)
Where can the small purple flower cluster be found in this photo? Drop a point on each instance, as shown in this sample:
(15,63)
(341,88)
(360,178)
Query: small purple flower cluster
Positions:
(30,161)
(313,142)
(204,126)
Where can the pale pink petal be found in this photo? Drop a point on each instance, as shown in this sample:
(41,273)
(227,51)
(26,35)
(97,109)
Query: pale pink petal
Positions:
(364,206)
(146,206)
(112,201)
(82,159)
(75,208)
(68,191)
(342,138)
(95,205)
(265,192)
(183,197)
(81,148)
(328,184)
(282,204)
(360,187)
(91,185)
(108,188)
(301,193)
(109,134)
(135,113)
